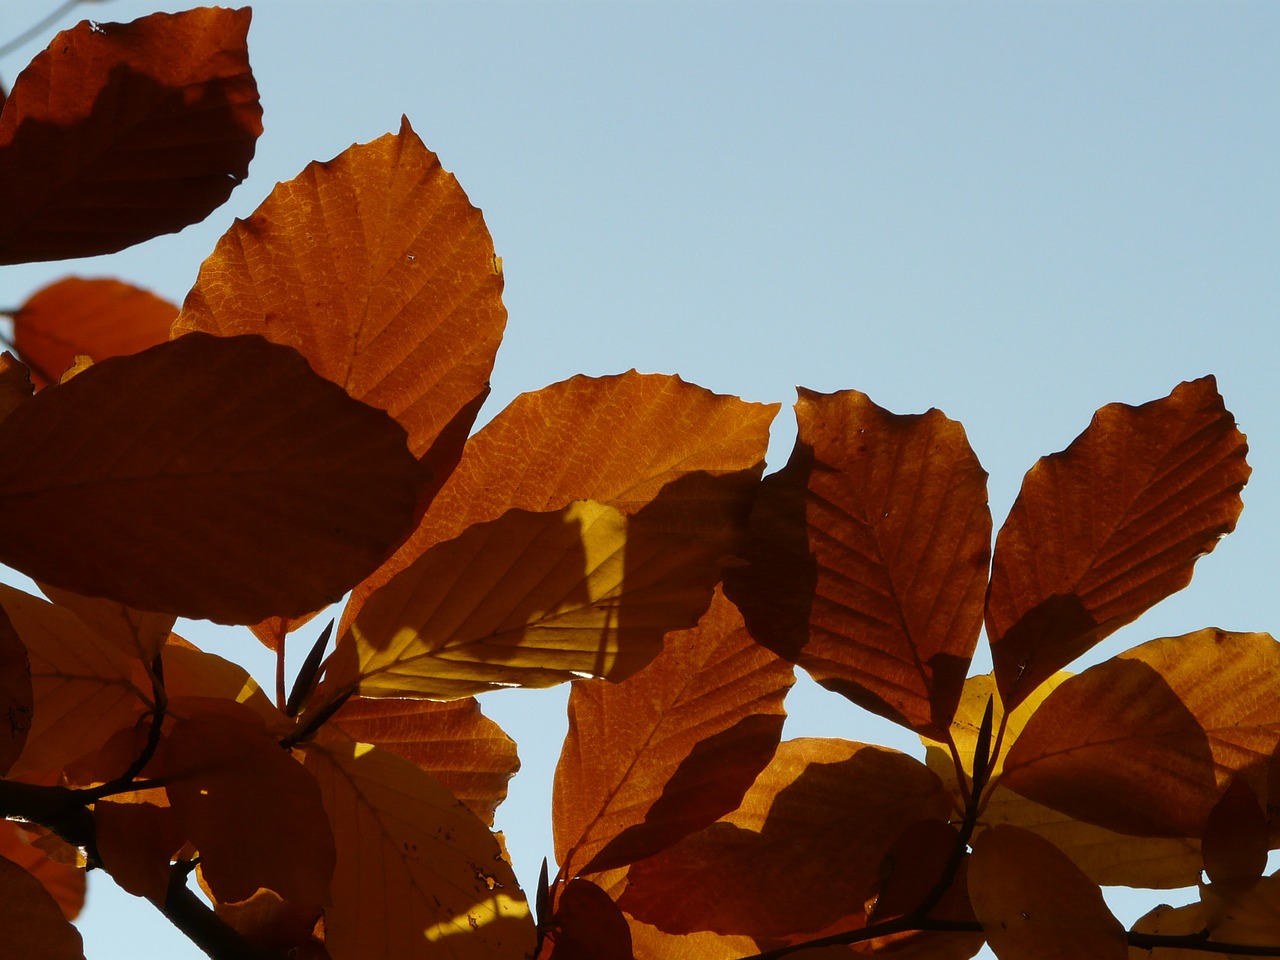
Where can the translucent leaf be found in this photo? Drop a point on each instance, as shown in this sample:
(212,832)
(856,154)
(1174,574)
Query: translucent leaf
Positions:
(138,633)
(453,741)
(530,599)
(137,835)
(1035,904)
(869,557)
(31,923)
(669,750)
(588,925)
(849,801)
(121,132)
(128,482)
(99,318)
(418,876)
(1110,526)
(64,881)
(1147,742)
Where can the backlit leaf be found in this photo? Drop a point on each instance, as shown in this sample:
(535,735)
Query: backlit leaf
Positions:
(137,835)
(31,923)
(1147,742)
(669,750)
(822,815)
(100,318)
(64,881)
(1110,526)
(1035,904)
(530,599)
(869,557)
(376,268)
(128,482)
(418,876)
(588,925)
(452,741)
(619,440)
(138,633)
(1235,836)
(110,138)
(16,694)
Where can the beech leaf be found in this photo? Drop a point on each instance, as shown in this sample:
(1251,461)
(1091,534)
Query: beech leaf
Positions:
(588,925)
(108,138)
(418,876)
(17,696)
(32,925)
(669,750)
(136,632)
(65,882)
(868,557)
(127,482)
(1108,527)
(15,384)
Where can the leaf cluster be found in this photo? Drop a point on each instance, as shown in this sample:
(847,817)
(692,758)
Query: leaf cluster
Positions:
(300,430)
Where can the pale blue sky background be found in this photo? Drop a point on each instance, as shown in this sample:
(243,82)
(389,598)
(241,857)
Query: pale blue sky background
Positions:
(1016,212)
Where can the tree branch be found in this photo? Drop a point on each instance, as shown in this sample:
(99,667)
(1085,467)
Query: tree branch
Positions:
(202,926)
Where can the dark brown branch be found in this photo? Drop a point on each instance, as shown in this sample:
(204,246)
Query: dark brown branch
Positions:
(197,920)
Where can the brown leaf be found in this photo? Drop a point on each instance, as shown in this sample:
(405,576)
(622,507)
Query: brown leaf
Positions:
(418,876)
(588,925)
(1035,904)
(127,482)
(868,557)
(1235,836)
(1147,742)
(1109,527)
(453,741)
(17,696)
(15,384)
(845,800)
(65,882)
(32,925)
(99,318)
(137,835)
(669,750)
(529,599)
(379,271)
(280,927)
(138,633)
(121,132)
(619,440)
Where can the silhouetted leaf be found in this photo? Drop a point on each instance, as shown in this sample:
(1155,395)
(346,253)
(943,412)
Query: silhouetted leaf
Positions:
(129,482)
(99,318)
(109,137)
(1110,526)
(137,834)
(17,696)
(1235,836)
(588,925)
(31,923)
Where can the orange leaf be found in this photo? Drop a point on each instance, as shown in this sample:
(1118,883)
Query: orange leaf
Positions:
(17,697)
(279,927)
(136,632)
(252,811)
(121,132)
(377,269)
(1235,836)
(670,750)
(822,815)
(99,318)
(1110,526)
(31,922)
(453,741)
(1035,904)
(418,876)
(15,384)
(869,557)
(127,482)
(529,599)
(64,881)
(588,925)
(619,440)
(136,840)
(1147,742)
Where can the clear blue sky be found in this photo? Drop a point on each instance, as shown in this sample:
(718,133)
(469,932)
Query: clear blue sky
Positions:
(1016,212)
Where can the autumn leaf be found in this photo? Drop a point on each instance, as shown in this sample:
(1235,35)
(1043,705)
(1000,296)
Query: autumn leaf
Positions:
(136,632)
(137,835)
(17,695)
(849,801)
(669,750)
(1146,743)
(418,876)
(1235,836)
(376,268)
(588,926)
(127,482)
(529,599)
(1110,526)
(1035,904)
(31,922)
(99,318)
(868,557)
(453,741)
(15,384)
(108,138)
(65,882)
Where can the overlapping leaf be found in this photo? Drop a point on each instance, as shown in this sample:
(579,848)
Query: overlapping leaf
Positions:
(207,477)
(587,925)
(1035,904)
(869,557)
(670,750)
(376,268)
(65,882)
(452,741)
(110,137)
(15,384)
(31,923)
(529,599)
(16,694)
(418,876)
(1146,743)
(847,801)
(99,318)
(136,632)
(1110,526)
